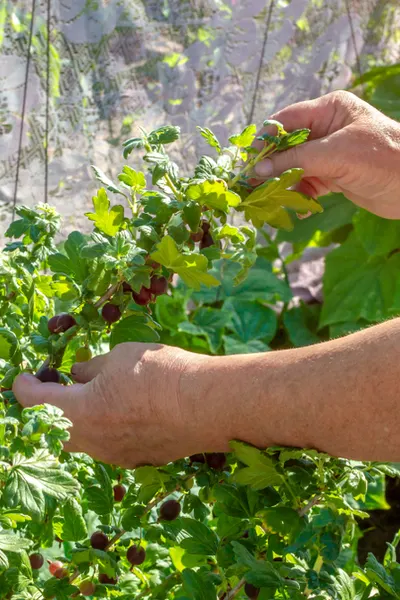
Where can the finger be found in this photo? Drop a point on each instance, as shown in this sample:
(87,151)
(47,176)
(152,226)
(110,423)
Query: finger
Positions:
(317,158)
(86,371)
(29,391)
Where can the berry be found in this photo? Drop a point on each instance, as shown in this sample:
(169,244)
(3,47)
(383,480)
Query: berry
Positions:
(216,460)
(197,458)
(60,323)
(170,510)
(251,591)
(126,288)
(99,540)
(205,226)
(198,236)
(87,588)
(83,354)
(143,297)
(103,578)
(55,566)
(48,375)
(136,555)
(119,493)
(207,241)
(36,560)
(61,573)
(111,313)
(158,285)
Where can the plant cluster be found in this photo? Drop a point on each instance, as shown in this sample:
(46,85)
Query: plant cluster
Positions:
(280,523)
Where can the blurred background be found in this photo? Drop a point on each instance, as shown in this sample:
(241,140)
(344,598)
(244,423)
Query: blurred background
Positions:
(117,64)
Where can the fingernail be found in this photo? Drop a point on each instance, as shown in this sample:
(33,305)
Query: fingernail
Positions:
(264,168)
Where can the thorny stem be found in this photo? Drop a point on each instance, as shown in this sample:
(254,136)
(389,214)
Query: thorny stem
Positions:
(233,593)
(110,292)
(267,151)
(313,502)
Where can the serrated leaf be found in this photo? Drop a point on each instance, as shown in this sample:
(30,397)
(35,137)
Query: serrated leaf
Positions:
(74,527)
(192,268)
(295,138)
(246,138)
(107,220)
(213,194)
(164,135)
(199,538)
(268,202)
(132,329)
(210,138)
(32,479)
(13,543)
(9,345)
(106,181)
(260,472)
(133,179)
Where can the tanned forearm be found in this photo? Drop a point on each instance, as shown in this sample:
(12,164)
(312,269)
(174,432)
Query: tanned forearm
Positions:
(341,397)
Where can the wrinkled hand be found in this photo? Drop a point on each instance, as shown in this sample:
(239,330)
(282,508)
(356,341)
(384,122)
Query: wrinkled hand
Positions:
(139,404)
(353,149)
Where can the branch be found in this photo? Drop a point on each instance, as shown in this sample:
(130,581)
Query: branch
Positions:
(313,502)
(233,593)
(110,292)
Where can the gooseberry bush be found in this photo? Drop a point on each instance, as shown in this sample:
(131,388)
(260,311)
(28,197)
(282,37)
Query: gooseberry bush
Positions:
(275,523)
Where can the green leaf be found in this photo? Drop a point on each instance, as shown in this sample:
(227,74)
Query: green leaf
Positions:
(133,329)
(209,322)
(252,321)
(210,138)
(192,215)
(283,520)
(73,246)
(377,574)
(277,124)
(295,324)
(260,472)
(201,539)
(13,543)
(170,311)
(106,181)
(133,179)
(107,220)
(230,232)
(236,346)
(246,138)
(295,138)
(197,587)
(60,589)
(213,194)
(164,135)
(192,268)
(9,346)
(74,526)
(268,202)
(358,286)
(59,263)
(32,479)
(338,212)
(378,236)
(135,143)
(100,497)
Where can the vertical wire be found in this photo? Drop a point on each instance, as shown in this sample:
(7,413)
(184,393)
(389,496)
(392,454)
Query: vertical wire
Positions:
(261,63)
(46,138)
(353,38)
(28,61)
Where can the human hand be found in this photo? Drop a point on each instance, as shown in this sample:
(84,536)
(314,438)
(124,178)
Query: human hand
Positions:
(138,404)
(353,149)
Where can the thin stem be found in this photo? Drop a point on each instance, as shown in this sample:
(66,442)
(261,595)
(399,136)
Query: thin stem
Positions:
(233,593)
(172,186)
(267,151)
(110,292)
(313,502)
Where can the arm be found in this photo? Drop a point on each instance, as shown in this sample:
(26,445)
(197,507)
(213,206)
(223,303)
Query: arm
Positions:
(341,397)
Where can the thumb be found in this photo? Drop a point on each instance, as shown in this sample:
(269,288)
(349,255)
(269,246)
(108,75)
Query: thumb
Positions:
(29,391)
(317,159)
(84,372)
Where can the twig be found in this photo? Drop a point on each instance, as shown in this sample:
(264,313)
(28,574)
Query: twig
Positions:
(110,292)
(233,593)
(313,502)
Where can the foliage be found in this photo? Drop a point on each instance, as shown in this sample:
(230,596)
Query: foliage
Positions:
(280,523)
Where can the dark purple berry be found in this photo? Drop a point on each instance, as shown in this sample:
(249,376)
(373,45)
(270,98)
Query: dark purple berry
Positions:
(119,492)
(36,561)
(197,458)
(111,313)
(136,555)
(170,510)
(207,241)
(198,236)
(143,298)
(99,540)
(216,460)
(251,591)
(103,578)
(205,226)
(48,375)
(126,288)
(60,323)
(158,285)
